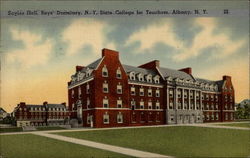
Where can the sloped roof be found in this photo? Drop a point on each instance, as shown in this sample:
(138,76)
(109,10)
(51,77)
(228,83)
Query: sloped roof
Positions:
(2,110)
(166,72)
(56,106)
(129,68)
(95,63)
(205,81)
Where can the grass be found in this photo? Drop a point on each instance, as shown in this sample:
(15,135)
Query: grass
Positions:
(240,124)
(32,146)
(175,141)
(48,128)
(14,129)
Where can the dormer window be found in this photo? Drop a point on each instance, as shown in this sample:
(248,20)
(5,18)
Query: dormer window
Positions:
(157,79)
(118,73)
(104,71)
(80,76)
(132,76)
(140,77)
(149,78)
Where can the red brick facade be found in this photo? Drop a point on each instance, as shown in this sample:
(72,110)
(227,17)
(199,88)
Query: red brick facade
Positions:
(109,94)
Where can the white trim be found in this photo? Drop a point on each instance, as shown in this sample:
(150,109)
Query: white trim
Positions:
(99,108)
(160,73)
(80,83)
(143,84)
(210,110)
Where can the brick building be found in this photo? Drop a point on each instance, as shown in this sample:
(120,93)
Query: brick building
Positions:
(40,115)
(107,93)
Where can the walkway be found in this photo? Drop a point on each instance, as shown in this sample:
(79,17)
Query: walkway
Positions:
(121,150)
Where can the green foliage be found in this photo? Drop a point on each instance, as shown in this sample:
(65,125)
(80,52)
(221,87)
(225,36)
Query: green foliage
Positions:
(243,112)
(175,141)
(15,129)
(32,146)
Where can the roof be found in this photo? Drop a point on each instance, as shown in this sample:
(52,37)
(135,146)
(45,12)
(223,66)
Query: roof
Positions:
(166,72)
(56,106)
(129,68)
(205,81)
(2,110)
(95,64)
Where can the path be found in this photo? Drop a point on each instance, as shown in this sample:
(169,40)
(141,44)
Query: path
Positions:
(121,150)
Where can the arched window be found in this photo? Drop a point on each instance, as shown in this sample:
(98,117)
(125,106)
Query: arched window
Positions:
(104,71)
(119,118)
(118,73)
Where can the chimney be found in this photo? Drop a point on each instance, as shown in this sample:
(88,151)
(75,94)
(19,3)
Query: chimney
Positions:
(45,103)
(78,68)
(227,78)
(187,70)
(151,65)
(110,53)
(63,103)
(22,104)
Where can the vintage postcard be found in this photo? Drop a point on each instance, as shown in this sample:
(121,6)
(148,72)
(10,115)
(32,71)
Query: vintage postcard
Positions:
(124,79)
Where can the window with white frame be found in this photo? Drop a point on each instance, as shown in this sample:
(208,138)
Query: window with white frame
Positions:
(119,88)
(157,93)
(226,106)
(171,93)
(191,94)
(105,87)
(157,79)
(179,104)
(172,118)
(141,104)
(202,97)
(197,105)
(226,116)
(79,92)
(141,91)
(212,117)
(119,103)
(88,102)
(197,95)
(140,77)
(157,104)
(87,88)
(150,105)
(132,89)
(171,105)
(150,92)
(216,116)
(231,116)
(88,119)
(118,73)
(185,105)
(105,102)
(72,93)
(207,97)
(149,78)
(207,117)
(212,106)
(104,71)
(216,106)
(106,118)
(132,76)
(133,104)
(207,106)
(179,93)
(119,118)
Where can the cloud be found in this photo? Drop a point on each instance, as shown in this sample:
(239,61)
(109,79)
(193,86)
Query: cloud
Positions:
(35,51)
(153,34)
(86,32)
(206,37)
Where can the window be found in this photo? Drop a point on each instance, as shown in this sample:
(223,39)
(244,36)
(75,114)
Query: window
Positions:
(119,89)
(216,116)
(179,104)
(157,105)
(72,93)
(141,91)
(150,92)
(171,105)
(140,77)
(185,105)
(87,88)
(185,94)
(105,102)
(171,93)
(119,103)
(149,105)
(141,104)
(232,116)
(172,118)
(157,79)
(191,94)
(149,78)
(207,97)
(106,118)
(133,104)
(216,106)
(88,103)
(202,97)
(212,106)
(226,106)
(207,117)
(212,117)
(79,92)
(105,87)
(207,106)
(119,118)
(132,89)
(104,71)
(118,73)
(157,93)
(132,76)
(226,116)
(197,95)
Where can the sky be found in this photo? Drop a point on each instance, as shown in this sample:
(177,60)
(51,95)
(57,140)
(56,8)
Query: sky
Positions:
(39,55)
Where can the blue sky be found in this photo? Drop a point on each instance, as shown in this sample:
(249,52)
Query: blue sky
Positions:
(38,55)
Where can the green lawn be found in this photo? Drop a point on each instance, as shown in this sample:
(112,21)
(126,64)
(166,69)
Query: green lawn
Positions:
(48,128)
(240,124)
(175,141)
(15,129)
(32,146)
